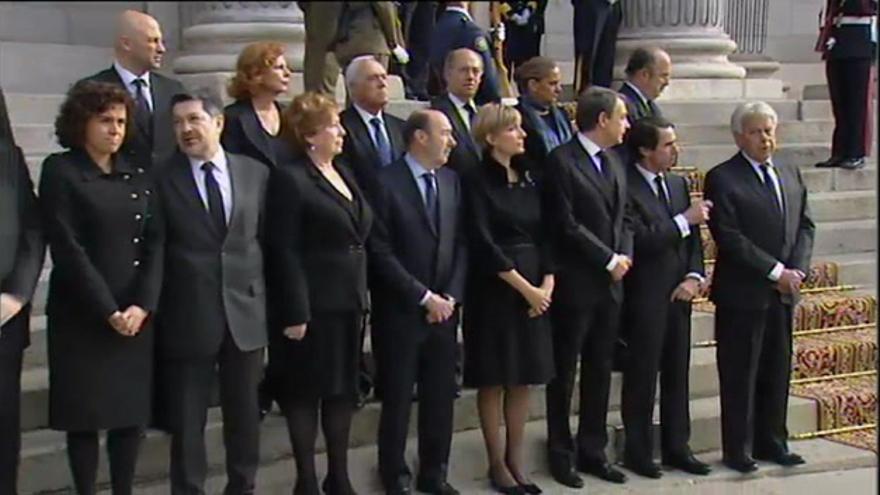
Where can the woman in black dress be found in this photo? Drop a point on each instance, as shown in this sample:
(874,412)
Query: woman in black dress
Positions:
(317,224)
(546,124)
(507,340)
(98,215)
(252,125)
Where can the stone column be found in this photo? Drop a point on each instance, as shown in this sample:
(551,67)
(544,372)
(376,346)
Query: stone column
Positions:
(746,23)
(215,32)
(692,31)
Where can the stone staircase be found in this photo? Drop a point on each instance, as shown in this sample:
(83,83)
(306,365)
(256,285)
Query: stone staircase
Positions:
(843,204)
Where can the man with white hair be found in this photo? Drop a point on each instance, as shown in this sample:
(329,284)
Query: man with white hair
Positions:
(374,138)
(138,51)
(761,224)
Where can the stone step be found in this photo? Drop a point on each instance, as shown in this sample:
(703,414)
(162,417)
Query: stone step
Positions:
(836,179)
(830,466)
(715,112)
(34,68)
(44,463)
(25,108)
(36,137)
(843,205)
(834,238)
(35,389)
(804,155)
(789,131)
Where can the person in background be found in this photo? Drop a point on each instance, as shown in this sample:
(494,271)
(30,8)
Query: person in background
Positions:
(138,54)
(369,28)
(647,75)
(545,123)
(22,249)
(320,68)
(523,28)
(417,19)
(252,124)
(595,38)
(463,71)
(317,226)
(99,211)
(508,345)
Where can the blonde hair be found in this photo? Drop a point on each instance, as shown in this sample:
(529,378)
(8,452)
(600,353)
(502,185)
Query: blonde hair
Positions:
(492,118)
(306,115)
(253,61)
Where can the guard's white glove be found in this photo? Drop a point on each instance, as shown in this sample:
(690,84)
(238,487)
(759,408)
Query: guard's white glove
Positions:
(400,54)
(500,33)
(522,18)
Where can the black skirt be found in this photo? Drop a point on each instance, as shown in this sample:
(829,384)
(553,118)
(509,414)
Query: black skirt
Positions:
(503,346)
(325,363)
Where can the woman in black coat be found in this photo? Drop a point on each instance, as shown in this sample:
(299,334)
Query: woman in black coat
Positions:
(106,274)
(252,125)
(317,224)
(507,339)
(546,124)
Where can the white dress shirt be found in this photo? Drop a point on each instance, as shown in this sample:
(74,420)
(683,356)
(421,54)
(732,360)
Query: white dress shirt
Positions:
(367,117)
(776,272)
(128,79)
(221,175)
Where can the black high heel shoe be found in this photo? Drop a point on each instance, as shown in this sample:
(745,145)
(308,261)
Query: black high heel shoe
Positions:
(506,490)
(531,488)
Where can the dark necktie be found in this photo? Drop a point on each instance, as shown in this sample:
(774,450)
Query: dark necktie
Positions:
(661,193)
(383,147)
(768,186)
(215,199)
(142,113)
(472,113)
(605,167)
(430,197)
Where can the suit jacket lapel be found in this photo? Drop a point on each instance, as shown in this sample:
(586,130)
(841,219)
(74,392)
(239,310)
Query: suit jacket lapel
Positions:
(327,188)
(410,189)
(445,207)
(361,135)
(462,132)
(238,182)
(583,163)
(185,183)
(253,130)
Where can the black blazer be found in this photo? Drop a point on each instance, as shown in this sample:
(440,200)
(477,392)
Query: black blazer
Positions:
(140,148)
(466,153)
(408,255)
(359,151)
(636,109)
(536,148)
(243,135)
(22,247)
(589,224)
(315,244)
(749,239)
(661,257)
(211,283)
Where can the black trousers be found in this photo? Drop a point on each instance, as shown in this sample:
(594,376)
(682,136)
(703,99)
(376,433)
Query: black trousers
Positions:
(10,421)
(754,366)
(425,355)
(586,334)
(418,24)
(659,340)
(187,396)
(594,65)
(849,87)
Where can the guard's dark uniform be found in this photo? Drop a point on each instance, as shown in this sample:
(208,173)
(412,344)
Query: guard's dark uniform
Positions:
(453,30)
(848,42)
(523,41)
(595,39)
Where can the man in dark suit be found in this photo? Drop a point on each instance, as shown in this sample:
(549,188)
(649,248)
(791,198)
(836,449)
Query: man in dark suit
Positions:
(212,311)
(456,29)
(657,294)
(21,258)
(586,198)
(595,38)
(374,139)
(418,252)
(138,51)
(647,75)
(462,71)
(320,67)
(417,19)
(761,224)
(848,42)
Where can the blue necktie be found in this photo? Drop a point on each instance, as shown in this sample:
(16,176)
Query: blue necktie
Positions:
(142,113)
(430,198)
(215,199)
(771,190)
(383,147)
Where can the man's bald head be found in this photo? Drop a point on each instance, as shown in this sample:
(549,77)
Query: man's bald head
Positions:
(463,71)
(139,47)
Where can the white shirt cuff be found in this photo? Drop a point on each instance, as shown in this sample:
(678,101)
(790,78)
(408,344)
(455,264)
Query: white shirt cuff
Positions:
(696,276)
(424,298)
(776,272)
(612,264)
(683,226)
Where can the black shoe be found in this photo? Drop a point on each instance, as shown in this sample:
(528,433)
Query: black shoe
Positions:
(562,469)
(783,459)
(335,486)
(829,163)
(602,470)
(531,489)
(852,163)
(744,465)
(306,487)
(648,469)
(687,463)
(440,487)
(507,490)
(399,486)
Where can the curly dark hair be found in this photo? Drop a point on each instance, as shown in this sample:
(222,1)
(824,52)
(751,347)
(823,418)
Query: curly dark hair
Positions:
(85,100)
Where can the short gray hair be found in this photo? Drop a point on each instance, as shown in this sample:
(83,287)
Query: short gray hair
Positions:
(750,109)
(212,103)
(353,69)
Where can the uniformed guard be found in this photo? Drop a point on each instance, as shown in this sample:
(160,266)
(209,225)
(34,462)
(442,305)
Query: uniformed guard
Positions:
(595,39)
(848,42)
(455,28)
(524,27)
